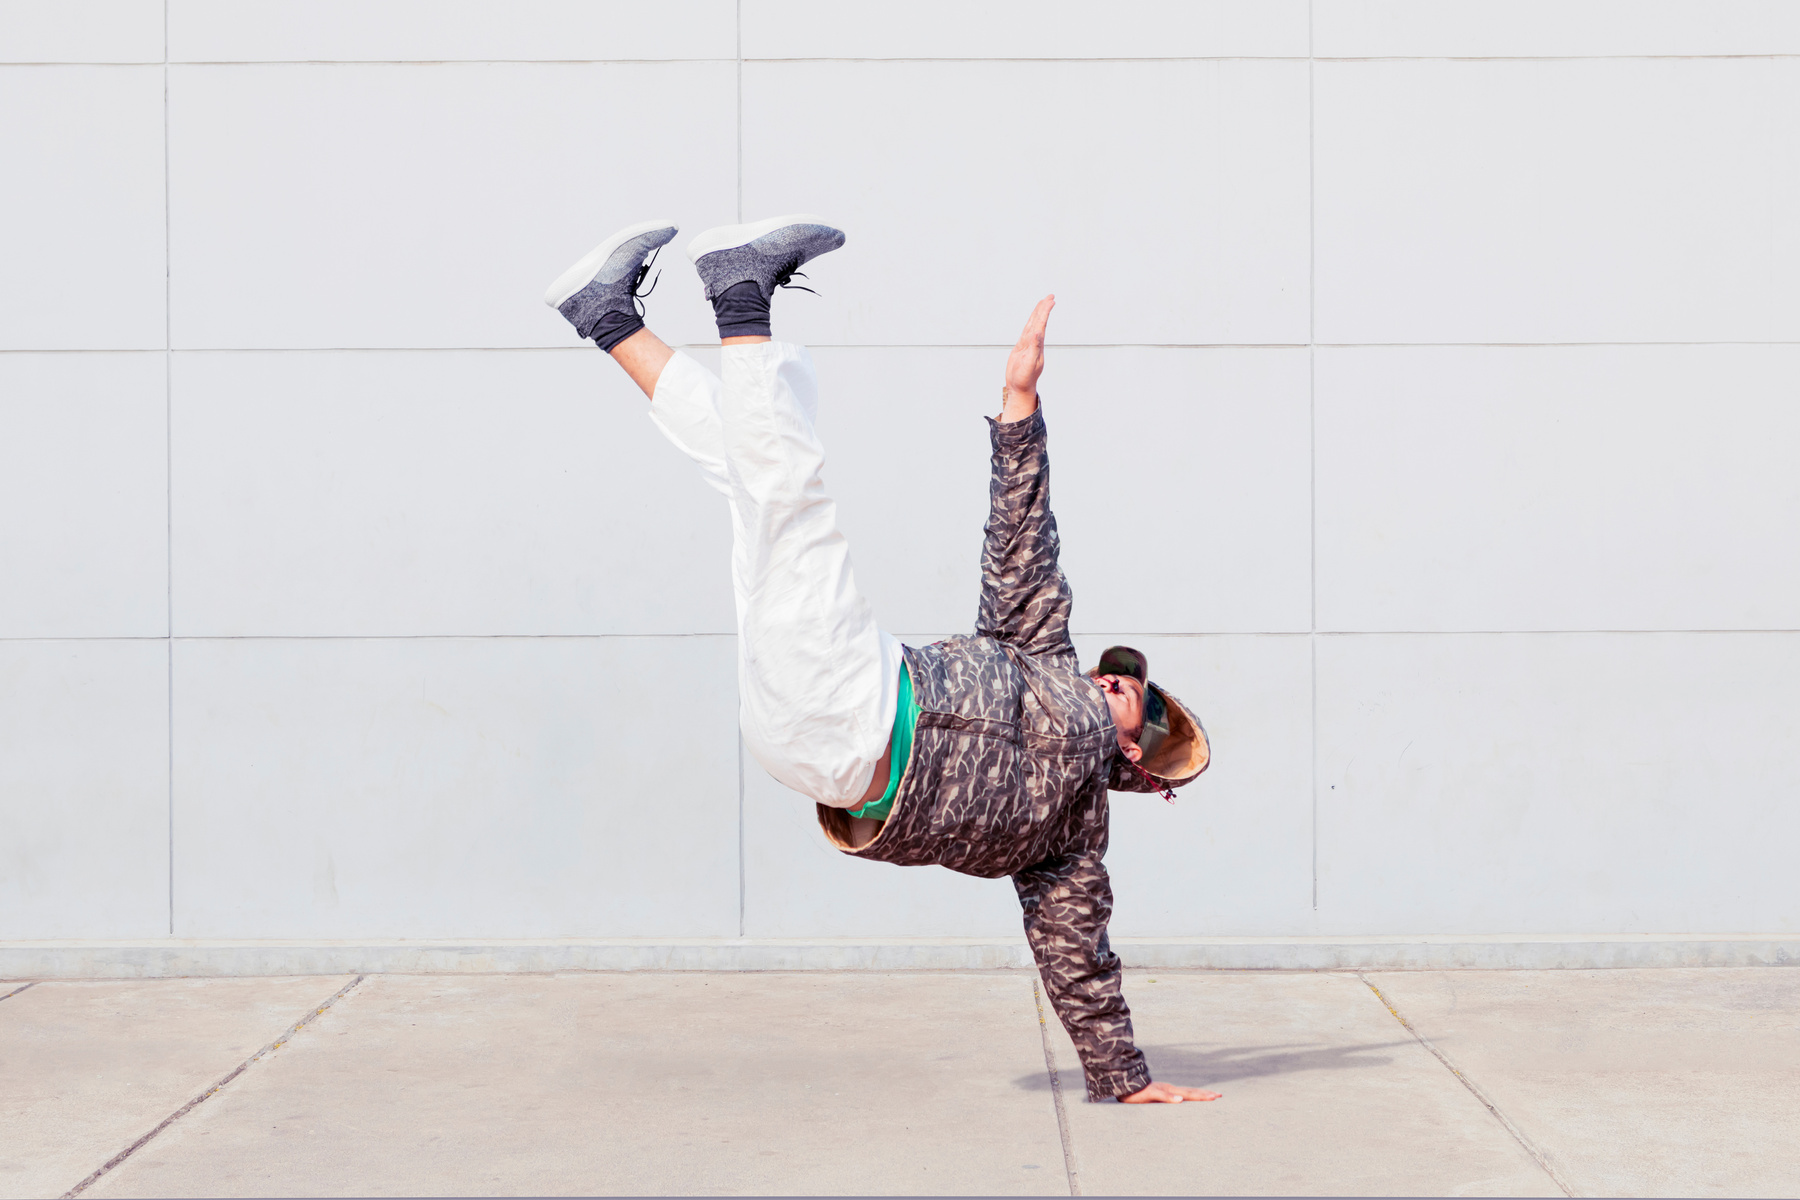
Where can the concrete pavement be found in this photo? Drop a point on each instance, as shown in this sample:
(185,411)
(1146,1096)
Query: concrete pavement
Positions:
(1646,1082)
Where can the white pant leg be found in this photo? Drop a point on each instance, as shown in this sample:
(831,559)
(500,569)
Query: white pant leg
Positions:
(818,682)
(685,407)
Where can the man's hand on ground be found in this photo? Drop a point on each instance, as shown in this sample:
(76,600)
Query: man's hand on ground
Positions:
(1167,1093)
(1025,364)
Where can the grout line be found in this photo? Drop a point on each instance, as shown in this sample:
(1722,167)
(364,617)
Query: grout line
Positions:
(1056,1095)
(1312,443)
(1770,56)
(169,470)
(181,1112)
(1518,1135)
(914,346)
(1157,633)
(740,110)
(18,989)
(740,831)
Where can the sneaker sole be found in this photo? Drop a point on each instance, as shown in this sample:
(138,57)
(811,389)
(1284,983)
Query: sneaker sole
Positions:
(583,272)
(729,237)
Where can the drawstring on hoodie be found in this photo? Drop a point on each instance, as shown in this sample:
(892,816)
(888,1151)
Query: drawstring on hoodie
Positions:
(1160,788)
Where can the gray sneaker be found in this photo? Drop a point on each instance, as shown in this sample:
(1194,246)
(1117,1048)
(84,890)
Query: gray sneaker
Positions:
(599,294)
(742,265)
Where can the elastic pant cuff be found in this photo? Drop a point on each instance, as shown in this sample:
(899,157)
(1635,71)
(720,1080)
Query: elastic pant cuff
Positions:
(742,311)
(614,328)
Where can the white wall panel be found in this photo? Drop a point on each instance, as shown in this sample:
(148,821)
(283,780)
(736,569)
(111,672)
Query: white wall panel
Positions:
(1181,488)
(969,190)
(1190,464)
(1547,28)
(435,492)
(448,30)
(84,789)
(1018,29)
(907,456)
(81,31)
(83,496)
(82,240)
(430,206)
(1634,783)
(1233,854)
(1574,487)
(485,787)
(1574,201)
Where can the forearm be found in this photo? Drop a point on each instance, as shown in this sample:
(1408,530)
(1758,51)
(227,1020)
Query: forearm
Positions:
(1024,594)
(1067,903)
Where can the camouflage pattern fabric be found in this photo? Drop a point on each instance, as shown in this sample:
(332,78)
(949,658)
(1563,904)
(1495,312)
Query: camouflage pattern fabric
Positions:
(1011,762)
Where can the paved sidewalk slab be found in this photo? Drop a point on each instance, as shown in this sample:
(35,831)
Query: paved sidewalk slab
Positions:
(633,1084)
(88,1068)
(1324,1094)
(1631,1083)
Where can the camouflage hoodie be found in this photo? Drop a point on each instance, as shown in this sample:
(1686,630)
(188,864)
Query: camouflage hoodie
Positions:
(1011,762)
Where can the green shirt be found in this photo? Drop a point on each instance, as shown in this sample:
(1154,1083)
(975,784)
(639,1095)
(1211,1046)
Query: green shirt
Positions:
(906,716)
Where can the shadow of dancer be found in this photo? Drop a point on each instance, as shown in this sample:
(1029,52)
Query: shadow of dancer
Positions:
(1215,1065)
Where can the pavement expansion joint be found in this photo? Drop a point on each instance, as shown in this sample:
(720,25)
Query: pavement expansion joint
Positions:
(1056,1095)
(1518,1134)
(183,1111)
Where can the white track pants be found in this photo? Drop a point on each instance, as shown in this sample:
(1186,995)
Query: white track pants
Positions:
(817,681)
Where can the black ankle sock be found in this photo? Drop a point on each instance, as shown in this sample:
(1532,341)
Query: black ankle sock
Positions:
(742,311)
(613,328)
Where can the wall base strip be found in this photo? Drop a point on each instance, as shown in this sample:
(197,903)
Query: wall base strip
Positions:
(163,957)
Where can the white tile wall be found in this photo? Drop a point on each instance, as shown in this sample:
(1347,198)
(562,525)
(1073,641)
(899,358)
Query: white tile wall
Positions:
(1552,28)
(907,455)
(1182,488)
(1591,201)
(435,492)
(1214,441)
(968,190)
(1783,253)
(430,206)
(1233,854)
(81,31)
(83,496)
(485,787)
(381,438)
(1574,487)
(1017,29)
(82,241)
(1637,783)
(448,30)
(84,789)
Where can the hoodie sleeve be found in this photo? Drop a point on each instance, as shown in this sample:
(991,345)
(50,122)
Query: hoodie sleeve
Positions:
(1068,902)
(1025,599)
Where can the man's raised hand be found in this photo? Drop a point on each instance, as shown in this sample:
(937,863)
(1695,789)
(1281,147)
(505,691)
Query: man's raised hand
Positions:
(1025,364)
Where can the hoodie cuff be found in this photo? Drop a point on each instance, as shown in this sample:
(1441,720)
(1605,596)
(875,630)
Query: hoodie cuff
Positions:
(1014,434)
(1109,1085)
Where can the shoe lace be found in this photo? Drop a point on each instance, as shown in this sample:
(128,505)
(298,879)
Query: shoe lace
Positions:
(637,297)
(785,277)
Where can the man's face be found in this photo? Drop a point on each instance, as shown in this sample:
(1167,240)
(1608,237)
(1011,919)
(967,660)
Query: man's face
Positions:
(1125,698)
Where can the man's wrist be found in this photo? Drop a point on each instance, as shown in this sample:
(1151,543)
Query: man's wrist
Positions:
(1016,405)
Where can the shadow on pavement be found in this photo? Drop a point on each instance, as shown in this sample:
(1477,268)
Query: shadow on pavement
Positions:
(1201,1066)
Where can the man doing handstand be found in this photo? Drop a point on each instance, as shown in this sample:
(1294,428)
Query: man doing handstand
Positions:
(992,754)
